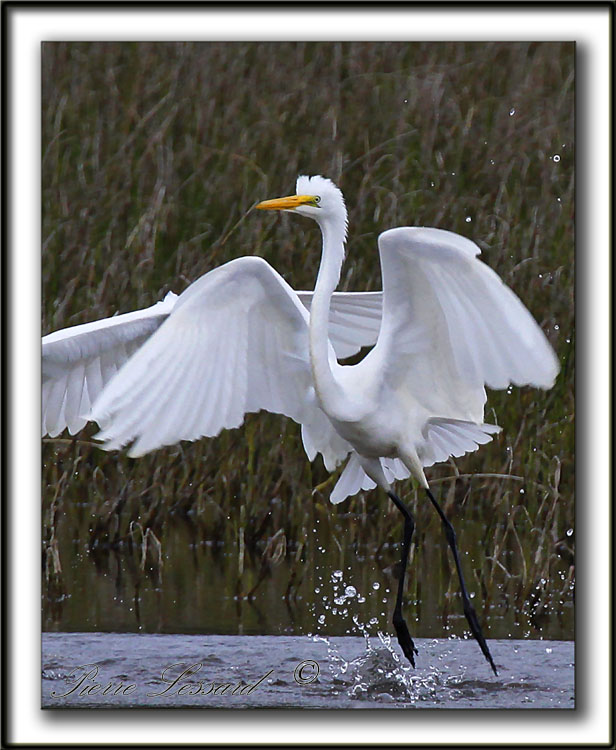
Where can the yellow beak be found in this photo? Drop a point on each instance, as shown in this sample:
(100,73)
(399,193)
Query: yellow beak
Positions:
(289,203)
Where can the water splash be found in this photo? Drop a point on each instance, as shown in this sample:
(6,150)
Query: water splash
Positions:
(379,673)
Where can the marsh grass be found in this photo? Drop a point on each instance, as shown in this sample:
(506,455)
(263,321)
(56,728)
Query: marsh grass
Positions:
(153,155)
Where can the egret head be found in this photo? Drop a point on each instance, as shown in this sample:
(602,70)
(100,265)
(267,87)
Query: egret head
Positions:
(316,197)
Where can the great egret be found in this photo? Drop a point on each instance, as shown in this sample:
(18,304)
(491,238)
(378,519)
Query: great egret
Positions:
(239,340)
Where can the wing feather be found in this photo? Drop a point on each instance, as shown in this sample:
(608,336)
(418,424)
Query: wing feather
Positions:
(354,320)
(74,393)
(96,351)
(53,414)
(351,481)
(79,361)
(451,327)
(236,341)
(473,330)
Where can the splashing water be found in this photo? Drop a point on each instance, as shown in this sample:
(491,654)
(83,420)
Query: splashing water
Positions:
(379,673)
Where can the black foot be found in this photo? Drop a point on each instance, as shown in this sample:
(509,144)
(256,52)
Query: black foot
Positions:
(405,640)
(471,617)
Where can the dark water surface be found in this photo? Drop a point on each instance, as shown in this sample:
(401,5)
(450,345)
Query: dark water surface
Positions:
(128,670)
(208,587)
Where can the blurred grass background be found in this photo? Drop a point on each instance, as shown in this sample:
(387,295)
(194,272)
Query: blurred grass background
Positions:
(152,156)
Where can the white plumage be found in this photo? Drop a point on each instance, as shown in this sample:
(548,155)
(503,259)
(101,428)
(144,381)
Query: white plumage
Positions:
(77,362)
(240,339)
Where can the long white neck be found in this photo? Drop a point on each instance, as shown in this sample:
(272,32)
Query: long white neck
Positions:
(329,391)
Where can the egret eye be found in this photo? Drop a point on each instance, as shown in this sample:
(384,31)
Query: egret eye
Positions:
(317,198)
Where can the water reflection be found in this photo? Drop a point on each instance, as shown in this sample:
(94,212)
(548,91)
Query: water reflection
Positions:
(177,582)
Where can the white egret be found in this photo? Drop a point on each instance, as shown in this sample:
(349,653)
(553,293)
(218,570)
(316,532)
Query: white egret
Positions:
(239,340)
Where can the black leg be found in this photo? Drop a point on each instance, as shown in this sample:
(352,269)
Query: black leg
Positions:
(469,610)
(402,631)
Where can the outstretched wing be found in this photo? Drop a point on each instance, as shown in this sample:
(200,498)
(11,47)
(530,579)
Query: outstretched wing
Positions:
(450,327)
(78,362)
(235,342)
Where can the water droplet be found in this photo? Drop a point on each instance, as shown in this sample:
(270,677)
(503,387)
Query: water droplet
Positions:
(522,491)
(511,112)
(337,574)
(556,157)
(468,219)
(350,591)
(376,585)
(556,327)
(321,619)
(406,101)
(548,651)
(569,532)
